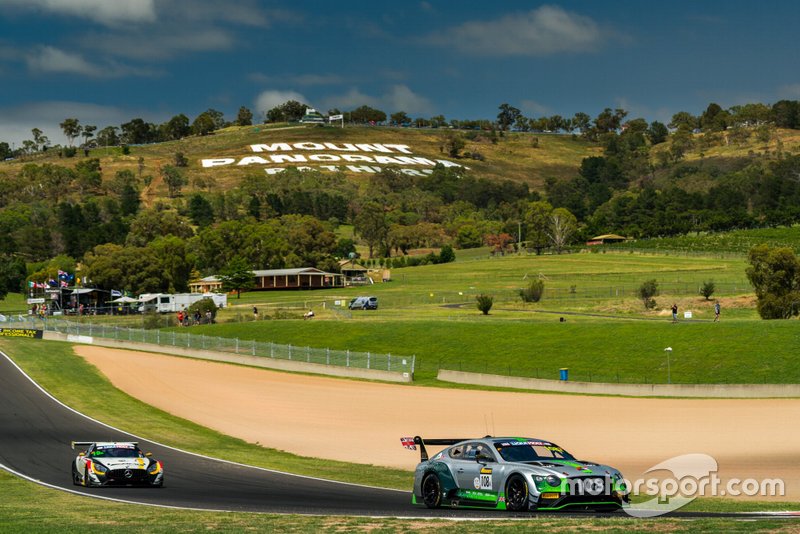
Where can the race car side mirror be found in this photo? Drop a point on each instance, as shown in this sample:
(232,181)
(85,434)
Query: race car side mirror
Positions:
(81,454)
(148,454)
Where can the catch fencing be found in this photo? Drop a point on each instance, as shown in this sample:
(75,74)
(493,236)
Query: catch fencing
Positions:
(172,338)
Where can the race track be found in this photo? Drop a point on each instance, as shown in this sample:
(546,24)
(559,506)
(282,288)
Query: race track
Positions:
(37,430)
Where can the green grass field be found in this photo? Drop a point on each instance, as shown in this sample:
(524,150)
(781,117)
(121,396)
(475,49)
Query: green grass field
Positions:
(735,241)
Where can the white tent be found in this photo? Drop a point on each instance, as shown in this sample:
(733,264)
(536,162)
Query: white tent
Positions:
(123,300)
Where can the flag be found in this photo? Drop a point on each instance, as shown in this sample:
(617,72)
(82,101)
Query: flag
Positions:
(62,275)
(115,293)
(408,443)
(52,283)
(64,284)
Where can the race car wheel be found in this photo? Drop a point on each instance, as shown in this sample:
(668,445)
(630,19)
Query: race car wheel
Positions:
(431,491)
(516,494)
(76,477)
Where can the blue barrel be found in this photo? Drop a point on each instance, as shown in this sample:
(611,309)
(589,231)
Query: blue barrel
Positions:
(563,373)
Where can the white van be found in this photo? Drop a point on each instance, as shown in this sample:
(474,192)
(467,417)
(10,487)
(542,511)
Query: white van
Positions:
(364,303)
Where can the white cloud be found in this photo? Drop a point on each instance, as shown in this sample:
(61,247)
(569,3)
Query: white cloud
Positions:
(398,98)
(19,120)
(401,98)
(107,12)
(49,59)
(544,31)
(531,107)
(272,98)
(158,43)
(352,99)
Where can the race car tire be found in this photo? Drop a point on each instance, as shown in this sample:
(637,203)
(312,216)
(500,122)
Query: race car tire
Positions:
(516,494)
(86,480)
(76,477)
(431,491)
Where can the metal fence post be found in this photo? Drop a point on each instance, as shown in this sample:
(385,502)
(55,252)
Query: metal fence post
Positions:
(389,364)
(368,357)
(254,347)
(348,358)
(237,345)
(413,362)
(327,356)
(308,354)
(290,351)
(271,349)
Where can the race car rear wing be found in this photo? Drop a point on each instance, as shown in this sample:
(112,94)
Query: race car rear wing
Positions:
(74,444)
(411,443)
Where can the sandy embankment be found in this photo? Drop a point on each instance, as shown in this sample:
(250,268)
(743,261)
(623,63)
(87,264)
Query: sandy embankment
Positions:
(362,422)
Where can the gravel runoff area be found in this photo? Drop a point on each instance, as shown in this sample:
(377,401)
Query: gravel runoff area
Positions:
(361,422)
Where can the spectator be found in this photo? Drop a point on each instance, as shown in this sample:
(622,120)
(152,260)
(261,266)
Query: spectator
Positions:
(674,313)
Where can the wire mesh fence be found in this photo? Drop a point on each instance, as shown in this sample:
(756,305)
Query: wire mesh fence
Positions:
(172,338)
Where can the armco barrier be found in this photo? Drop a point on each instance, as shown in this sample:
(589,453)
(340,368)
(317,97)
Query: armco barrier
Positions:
(243,359)
(728,391)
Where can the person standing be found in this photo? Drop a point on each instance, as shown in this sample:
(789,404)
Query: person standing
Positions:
(255,313)
(674,313)
(716,311)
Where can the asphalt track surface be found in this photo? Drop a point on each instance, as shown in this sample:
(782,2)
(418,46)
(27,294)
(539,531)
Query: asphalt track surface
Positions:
(35,435)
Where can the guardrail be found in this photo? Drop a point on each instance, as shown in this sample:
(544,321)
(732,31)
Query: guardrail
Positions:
(403,365)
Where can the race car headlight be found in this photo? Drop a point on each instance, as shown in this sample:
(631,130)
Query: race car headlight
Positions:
(553,481)
(99,468)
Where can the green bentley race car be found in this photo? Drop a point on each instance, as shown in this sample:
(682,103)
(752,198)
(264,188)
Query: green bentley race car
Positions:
(509,473)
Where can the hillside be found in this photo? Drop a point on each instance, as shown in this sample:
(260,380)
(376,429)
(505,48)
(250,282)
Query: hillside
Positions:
(520,157)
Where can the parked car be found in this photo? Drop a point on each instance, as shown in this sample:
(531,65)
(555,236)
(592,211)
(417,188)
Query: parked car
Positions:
(364,303)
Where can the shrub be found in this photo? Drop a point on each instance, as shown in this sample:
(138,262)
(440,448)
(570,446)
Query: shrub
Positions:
(647,291)
(534,291)
(707,289)
(484,303)
(446,255)
(203,306)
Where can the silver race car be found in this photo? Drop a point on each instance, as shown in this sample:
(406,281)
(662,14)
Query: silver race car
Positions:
(515,474)
(115,463)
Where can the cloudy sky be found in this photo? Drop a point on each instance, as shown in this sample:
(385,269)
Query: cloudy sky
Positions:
(107,61)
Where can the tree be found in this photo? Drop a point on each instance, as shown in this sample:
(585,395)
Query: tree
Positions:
(647,291)
(537,220)
(485,303)
(508,116)
(174,179)
(563,226)
(707,289)
(366,114)
(39,139)
(71,128)
(180,160)
(400,118)
(137,132)
(534,291)
(453,144)
(200,210)
(12,275)
(582,122)
(108,136)
(371,224)
(203,124)
(244,117)
(775,275)
(657,133)
(237,276)
(88,132)
(176,128)
(5,151)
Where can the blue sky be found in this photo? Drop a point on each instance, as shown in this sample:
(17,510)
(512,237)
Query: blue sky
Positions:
(107,61)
